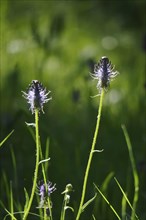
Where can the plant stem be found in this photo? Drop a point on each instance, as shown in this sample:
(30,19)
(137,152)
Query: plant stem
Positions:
(63,208)
(90,157)
(63,211)
(45,181)
(36,166)
(45,214)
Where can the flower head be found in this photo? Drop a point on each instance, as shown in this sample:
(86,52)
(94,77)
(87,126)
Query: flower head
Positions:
(45,190)
(104,72)
(36,96)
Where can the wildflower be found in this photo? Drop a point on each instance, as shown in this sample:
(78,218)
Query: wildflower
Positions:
(36,96)
(45,191)
(104,72)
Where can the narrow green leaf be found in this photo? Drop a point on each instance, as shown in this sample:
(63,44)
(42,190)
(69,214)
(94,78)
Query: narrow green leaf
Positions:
(88,202)
(104,190)
(134,170)
(69,207)
(12,216)
(111,207)
(123,210)
(11,201)
(125,196)
(3,141)
(26,199)
(106,181)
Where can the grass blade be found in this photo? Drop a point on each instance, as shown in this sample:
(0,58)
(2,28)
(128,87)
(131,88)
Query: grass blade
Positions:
(125,196)
(3,141)
(134,170)
(26,199)
(111,207)
(11,202)
(12,216)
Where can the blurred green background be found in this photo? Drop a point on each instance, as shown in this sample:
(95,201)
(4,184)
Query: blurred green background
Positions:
(58,43)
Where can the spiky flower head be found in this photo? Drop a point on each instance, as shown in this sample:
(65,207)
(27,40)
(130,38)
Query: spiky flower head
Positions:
(45,191)
(36,96)
(104,72)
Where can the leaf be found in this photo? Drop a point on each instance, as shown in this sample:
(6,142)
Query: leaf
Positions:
(26,198)
(134,170)
(45,160)
(125,196)
(107,180)
(88,202)
(11,199)
(3,141)
(30,124)
(13,217)
(111,207)
(69,207)
(97,151)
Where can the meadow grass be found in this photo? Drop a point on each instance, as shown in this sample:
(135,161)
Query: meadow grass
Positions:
(44,164)
(36,97)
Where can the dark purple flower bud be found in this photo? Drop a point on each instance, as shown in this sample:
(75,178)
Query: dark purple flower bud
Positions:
(36,96)
(104,72)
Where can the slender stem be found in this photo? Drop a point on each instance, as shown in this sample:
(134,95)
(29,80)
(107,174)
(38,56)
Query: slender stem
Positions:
(90,156)
(63,208)
(134,170)
(45,181)
(45,214)
(63,212)
(36,166)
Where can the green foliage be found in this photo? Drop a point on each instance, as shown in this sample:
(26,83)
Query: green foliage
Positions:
(58,43)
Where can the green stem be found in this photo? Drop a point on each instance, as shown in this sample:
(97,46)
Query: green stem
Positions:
(63,208)
(45,214)
(63,212)
(90,157)
(36,166)
(45,181)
